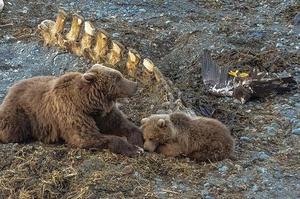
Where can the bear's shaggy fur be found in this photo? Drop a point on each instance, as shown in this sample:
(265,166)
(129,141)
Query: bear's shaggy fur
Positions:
(79,109)
(202,139)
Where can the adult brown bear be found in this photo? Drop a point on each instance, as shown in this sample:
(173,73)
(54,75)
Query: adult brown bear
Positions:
(79,109)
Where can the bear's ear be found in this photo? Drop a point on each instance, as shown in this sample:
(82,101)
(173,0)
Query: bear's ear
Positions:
(89,77)
(144,120)
(161,123)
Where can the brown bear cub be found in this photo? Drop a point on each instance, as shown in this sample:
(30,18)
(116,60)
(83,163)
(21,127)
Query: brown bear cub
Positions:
(77,108)
(201,139)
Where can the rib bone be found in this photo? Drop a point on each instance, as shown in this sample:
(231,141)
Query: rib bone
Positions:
(101,47)
(148,71)
(60,21)
(87,38)
(52,31)
(132,63)
(116,53)
(74,33)
(148,65)
(45,29)
(84,46)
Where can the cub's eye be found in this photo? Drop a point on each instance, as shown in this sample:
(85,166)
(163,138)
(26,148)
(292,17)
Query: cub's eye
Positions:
(152,139)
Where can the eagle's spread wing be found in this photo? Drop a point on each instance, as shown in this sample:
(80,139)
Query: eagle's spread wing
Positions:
(215,78)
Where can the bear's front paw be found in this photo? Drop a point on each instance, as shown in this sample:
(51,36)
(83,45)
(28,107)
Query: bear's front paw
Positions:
(136,138)
(120,146)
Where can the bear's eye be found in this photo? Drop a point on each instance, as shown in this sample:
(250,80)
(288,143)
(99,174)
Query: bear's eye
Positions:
(118,78)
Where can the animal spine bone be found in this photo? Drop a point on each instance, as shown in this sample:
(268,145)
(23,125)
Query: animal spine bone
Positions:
(132,62)
(74,33)
(101,46)
(87,38)
(95,46)
(148,65)
(45,28)
(116,53)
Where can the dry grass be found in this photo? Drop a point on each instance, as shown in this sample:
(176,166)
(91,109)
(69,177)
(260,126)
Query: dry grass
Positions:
(39,171)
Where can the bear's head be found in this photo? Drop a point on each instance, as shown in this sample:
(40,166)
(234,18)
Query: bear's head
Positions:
(102,86)
(157,129)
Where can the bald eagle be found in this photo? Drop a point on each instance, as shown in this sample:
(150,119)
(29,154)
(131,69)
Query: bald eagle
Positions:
(221,81)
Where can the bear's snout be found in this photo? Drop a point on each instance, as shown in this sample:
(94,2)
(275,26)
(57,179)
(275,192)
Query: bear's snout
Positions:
(150,146)
(128,87)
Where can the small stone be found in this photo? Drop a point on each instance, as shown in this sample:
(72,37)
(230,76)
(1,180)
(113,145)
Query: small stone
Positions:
(279,45)
(262,170)
(223,169)
(245,139)
(296,123)
(296,95)
(128,170)
(288,112)
(25,10)
(116,34)
(291,32)
(297,105)
(271,130)
(262,156)
(296,20)
(263,48)
(142,10)
(296,131)
(255,188)
(209,197)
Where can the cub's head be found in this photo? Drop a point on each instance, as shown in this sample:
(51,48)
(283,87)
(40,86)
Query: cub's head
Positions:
(157,129)
(103,85)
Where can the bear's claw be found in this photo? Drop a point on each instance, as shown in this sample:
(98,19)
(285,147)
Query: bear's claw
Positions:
(140,150)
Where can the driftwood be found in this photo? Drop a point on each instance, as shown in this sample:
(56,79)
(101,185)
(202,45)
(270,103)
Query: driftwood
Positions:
(256,85)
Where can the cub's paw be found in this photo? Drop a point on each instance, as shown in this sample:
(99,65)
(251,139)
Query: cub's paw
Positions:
(120,146)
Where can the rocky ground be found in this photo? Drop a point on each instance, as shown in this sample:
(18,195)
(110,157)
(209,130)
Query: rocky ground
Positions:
(243,34)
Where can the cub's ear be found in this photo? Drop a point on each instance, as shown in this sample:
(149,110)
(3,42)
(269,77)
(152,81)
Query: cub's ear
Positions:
(144,120)
(88,77)
(161,123)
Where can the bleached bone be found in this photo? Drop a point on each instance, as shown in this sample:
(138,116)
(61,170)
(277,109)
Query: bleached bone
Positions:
(76,25)
(148,71)
(132,62)
(87,38)
(52,31)
(101,47)
(45,28)
(148,65)
(84,46)
(158,75)
(116,53)
(60,22)
(56,31)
